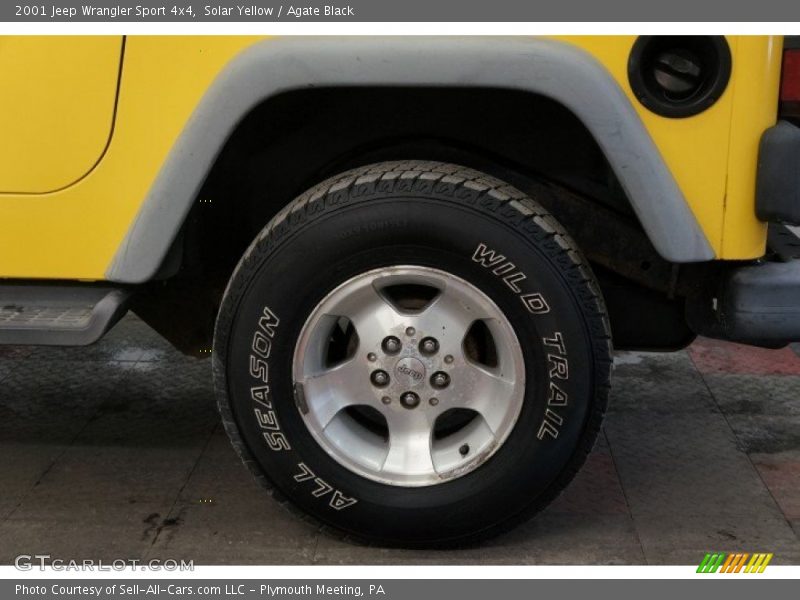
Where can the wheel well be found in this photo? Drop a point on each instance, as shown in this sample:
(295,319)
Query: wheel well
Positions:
(297,139)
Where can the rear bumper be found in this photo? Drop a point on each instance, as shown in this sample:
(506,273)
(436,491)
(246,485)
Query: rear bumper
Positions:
(755,304)
(759,303)
(778,179)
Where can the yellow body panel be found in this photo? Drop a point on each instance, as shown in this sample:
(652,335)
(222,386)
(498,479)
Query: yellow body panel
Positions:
(73,233)
(757,77)
(56,109)
(713,155)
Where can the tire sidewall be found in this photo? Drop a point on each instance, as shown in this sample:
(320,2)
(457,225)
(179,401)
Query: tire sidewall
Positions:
(288,275)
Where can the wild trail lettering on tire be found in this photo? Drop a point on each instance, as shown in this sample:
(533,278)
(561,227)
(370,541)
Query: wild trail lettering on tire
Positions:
(536,304)
(559,369)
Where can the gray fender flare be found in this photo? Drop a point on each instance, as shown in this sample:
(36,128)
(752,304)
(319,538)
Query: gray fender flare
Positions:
(551,68)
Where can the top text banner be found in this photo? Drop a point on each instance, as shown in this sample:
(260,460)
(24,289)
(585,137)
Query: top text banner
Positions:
(405,11)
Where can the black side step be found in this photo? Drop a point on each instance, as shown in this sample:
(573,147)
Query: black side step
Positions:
(58,314)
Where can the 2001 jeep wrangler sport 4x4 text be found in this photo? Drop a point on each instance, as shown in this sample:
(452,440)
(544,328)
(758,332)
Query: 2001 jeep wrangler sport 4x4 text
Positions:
(409,255)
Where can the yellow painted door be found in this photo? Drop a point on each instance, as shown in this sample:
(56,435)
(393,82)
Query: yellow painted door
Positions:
(57,102)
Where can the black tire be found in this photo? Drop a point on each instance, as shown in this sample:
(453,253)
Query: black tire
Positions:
(433,215)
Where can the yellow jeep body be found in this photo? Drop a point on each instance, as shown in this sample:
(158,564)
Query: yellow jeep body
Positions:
(88,122)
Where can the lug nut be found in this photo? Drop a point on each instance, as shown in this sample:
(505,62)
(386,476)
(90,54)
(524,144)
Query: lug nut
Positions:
(409,400)
(428,345)
(391,345)
(379,378)
(440,380)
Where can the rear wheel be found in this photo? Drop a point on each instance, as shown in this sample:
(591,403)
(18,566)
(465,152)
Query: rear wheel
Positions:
(413,354)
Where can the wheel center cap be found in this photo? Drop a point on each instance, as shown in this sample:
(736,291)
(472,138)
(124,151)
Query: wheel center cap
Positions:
(409,371)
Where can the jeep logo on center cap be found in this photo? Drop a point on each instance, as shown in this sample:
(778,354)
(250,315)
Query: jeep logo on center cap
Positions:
(409,370)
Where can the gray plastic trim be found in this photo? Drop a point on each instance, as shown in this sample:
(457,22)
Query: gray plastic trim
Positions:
(58,314)
(554,69)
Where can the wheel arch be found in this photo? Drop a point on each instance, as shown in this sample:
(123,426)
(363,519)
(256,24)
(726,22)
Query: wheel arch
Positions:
(552,69)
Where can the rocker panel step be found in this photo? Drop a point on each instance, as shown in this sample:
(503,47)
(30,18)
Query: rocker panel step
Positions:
(58,315)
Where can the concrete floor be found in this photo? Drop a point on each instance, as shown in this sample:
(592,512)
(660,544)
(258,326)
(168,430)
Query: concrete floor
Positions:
(115,451)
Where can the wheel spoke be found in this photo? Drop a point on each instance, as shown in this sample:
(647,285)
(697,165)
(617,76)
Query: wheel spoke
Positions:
(409,451)
(370,312)
(331,391)
(448,318)
(485,391)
